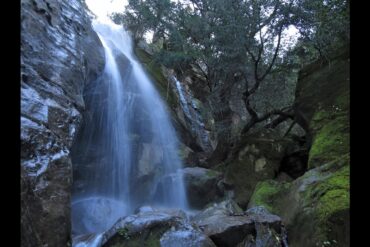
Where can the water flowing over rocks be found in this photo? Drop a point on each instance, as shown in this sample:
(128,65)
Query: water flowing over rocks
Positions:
(126,145)
(101,163)
(150,227)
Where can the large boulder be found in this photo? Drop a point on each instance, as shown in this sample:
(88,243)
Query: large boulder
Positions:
(227,225)
(201,185)
(315,207)
(149,227)
(60,54)
(258,158)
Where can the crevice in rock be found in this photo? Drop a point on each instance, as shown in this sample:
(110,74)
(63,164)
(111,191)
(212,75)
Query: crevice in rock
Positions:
(295,164)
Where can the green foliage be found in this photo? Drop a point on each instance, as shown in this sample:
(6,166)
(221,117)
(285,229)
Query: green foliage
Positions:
(213,34)
(323,24)
(224,37)
(237,41)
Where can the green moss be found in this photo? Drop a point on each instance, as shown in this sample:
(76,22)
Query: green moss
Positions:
(334,194)
(331,138)
(266,193)
(330,126)
(326,199)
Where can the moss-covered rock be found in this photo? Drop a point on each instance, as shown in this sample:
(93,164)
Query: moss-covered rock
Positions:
(331,136)
(258,159)
(266,193)
(315,207)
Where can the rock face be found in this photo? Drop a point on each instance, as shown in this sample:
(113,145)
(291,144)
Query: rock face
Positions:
(257,159)
(227,226)
(315,207)
(60,54)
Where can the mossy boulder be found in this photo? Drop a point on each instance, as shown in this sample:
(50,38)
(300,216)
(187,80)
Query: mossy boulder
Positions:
(331,136)
(258,159)
(315,207)
(322,107)
(267,193)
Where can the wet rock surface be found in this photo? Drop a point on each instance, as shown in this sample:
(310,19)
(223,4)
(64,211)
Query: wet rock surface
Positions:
(227,225)
(171,228)
(150,227)
(60,54)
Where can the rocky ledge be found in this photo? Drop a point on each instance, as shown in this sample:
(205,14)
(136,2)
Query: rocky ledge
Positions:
(168,228)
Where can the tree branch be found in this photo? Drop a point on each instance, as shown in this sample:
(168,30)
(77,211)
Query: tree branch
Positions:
(255,119)
(275,54)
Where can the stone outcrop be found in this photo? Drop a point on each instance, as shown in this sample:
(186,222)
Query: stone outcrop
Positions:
(257,158)
(315,207)
(227,226)
(60,54)
(222,224)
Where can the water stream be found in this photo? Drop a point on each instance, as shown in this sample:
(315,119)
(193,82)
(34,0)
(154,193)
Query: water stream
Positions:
(126,144)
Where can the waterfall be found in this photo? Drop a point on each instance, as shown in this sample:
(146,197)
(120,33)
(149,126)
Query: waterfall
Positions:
(193,116)
(126,148)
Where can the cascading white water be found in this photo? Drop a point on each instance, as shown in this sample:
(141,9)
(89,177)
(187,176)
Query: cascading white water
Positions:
(126,147)
(193,116)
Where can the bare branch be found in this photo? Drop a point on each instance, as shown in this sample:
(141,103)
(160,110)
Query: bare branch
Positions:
(255,119)
(275,54)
